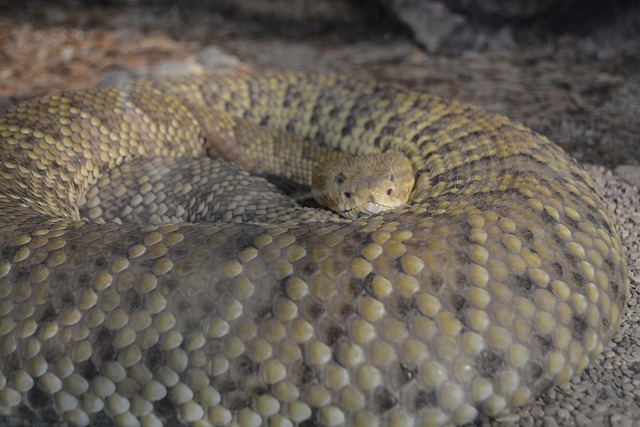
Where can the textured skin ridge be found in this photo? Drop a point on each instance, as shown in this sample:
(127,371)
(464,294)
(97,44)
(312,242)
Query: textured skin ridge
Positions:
(501,277)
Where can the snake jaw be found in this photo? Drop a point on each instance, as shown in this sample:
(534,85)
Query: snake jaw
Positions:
(366,209)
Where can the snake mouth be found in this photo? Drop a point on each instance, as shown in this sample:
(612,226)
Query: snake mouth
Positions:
(366,209)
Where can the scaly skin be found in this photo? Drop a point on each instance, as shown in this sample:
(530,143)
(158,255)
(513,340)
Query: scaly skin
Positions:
(502,275)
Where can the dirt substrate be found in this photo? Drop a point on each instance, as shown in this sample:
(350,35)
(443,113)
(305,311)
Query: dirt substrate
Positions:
(581,88)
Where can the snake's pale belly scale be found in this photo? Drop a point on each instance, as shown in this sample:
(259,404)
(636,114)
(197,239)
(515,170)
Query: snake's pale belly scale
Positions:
(501,277)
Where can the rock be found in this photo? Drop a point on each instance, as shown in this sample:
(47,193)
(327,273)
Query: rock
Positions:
(630,173)
(213,57)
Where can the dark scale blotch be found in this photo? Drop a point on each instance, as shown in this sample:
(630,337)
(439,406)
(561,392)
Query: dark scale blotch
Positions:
(309,269)
(330,332)
(65,298)
(49,416)
(313,310)
(400,375)
(261,313)
(522,284)
(257,389)
(170,284)
(542,345)
(579,326)
(146,264)
(335,112)
(548,218)
(369,125)
(615,289)
(153,357)
(610,265)
(533,371)
(357,287)
(559,240)
(12,363)
(618,295)
(425,399)
(349,123)
(206,305)
(21,273)
(104,345)
(222,286)
(88,370)
(84,279)
(303,374)
(312,421)
(396,265)
(360,238)
(131,301)
(489,363)
(579,279)
(426,170)
(25,413)
(165,407)
(383,399)
(315,116)
(558,269)
(9,252)
(243,366)
(101,419)
(570,222)
(348,252)
(49,313)
(344,311)
(181,253)
(434,283)
(101,263)
(224,383)
(60,277)
(462,281)
(527,235)
(439,178)
(38,398)
(182,304)
(366,284)
(458,303)
(400,307)
(572,259)
(117,251)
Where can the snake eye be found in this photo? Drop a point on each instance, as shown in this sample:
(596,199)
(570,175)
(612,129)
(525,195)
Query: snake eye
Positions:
(347,194)
(340,178)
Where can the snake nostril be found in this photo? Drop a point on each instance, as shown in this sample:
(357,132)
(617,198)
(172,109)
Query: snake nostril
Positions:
(347,194)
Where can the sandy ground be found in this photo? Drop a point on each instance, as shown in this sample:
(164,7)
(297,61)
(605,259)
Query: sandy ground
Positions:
(581,89)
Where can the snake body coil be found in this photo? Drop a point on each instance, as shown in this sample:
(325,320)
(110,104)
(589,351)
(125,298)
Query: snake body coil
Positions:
(502,275)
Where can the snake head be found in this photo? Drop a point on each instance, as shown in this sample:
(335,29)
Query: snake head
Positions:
(363,185)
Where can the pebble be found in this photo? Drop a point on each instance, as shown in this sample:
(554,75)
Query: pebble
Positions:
(630,173)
